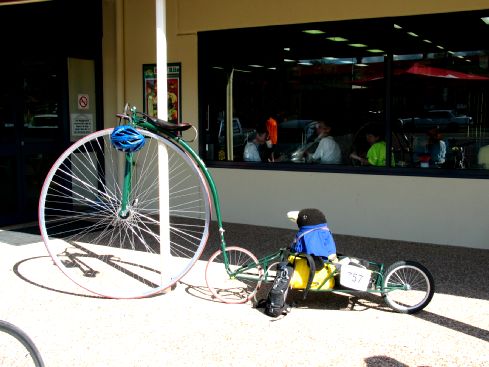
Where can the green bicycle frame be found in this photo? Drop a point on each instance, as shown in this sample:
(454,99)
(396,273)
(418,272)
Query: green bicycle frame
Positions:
(142,123)
(127,186)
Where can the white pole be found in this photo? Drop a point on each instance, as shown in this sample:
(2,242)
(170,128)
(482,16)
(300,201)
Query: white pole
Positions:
(161,59)
(120,80)
(229,118)
(162,98)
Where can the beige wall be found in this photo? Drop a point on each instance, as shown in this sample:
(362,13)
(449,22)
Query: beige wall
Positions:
(197,15)
(433,210)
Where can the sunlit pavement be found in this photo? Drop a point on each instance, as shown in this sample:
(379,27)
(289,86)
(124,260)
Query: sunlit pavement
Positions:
(186,327)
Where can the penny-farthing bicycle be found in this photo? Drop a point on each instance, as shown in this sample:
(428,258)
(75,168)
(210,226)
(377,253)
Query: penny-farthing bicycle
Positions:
(130,221)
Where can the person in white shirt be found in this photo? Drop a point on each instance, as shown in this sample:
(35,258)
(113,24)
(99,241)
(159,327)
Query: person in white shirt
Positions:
(328,150)
(252,149)
(483,157)
(436,147)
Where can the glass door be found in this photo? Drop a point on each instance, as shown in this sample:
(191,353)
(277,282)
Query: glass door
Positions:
(31,126)
(9,143)
(42,125)
(34,94)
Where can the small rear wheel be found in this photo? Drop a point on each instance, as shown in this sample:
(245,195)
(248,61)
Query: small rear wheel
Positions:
(241,282)
(408,287)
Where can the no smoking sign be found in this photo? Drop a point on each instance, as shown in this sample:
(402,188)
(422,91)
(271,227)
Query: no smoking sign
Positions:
(83,102)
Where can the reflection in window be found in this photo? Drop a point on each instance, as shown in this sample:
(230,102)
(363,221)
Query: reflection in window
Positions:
(36,167)
(439,109)
(419,79)
(7,112)
(8,172)
(41,101)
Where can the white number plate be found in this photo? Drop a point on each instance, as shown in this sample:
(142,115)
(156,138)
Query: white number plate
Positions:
(354,277)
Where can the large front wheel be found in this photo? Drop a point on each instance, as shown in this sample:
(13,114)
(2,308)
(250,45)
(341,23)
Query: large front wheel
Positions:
(237,282)
(408,287)
(124,225)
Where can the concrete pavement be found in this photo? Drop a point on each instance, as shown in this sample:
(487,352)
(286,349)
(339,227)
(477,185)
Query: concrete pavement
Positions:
(186,327)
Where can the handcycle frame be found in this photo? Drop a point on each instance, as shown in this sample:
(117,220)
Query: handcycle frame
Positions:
(392,284)
(269,260)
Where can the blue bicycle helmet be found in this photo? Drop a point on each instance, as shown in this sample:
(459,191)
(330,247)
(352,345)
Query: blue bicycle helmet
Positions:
(127,139)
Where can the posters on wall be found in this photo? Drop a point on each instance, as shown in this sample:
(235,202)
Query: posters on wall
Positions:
(150,91)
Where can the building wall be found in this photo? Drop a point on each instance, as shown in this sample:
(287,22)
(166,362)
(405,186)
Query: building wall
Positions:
(432,210)
(198,15)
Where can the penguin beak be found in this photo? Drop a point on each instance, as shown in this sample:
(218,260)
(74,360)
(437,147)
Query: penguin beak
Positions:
(292,215)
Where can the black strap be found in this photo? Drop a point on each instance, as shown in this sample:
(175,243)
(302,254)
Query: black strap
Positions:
(314,262)
(285,254)
(312,272)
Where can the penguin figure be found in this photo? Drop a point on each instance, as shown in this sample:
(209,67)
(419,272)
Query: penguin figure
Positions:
(314,236)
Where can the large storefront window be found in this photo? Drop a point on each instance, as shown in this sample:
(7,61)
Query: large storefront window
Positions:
(335,95)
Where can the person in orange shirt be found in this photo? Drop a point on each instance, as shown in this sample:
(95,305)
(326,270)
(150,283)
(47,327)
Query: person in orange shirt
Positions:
(272,136)
(272,130)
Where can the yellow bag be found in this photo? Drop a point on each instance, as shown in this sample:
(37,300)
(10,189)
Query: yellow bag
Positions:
(301,275)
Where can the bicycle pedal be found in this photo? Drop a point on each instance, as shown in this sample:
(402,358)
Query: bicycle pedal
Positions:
(68,263)
(90,273)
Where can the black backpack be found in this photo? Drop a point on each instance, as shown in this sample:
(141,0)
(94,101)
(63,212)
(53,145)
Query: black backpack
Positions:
(275,303)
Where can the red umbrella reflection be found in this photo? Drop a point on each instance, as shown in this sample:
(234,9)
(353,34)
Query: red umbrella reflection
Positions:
(428,71)
(420,69)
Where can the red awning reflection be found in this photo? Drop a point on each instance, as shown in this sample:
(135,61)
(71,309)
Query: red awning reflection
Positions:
(420,69)
(428,71)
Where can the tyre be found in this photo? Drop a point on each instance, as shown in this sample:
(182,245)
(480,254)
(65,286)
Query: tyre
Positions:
(408,287)
(17,348)
(124,254)
(241,283)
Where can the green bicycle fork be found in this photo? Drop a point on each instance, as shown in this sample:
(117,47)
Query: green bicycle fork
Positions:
(126,190)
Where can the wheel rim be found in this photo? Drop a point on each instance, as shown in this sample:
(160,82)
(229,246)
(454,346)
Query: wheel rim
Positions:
(416,288)
(121,256)
(17,348)
(233,289)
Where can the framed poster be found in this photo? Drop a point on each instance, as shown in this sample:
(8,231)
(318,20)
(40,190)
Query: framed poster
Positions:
(150,91)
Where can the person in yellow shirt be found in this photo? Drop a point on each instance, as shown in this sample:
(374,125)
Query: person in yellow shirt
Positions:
(377,153)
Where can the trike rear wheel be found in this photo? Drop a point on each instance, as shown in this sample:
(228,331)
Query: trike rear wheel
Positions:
(408,287)
(240,282)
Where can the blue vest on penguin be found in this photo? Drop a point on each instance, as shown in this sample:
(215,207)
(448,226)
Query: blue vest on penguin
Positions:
(314,240)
